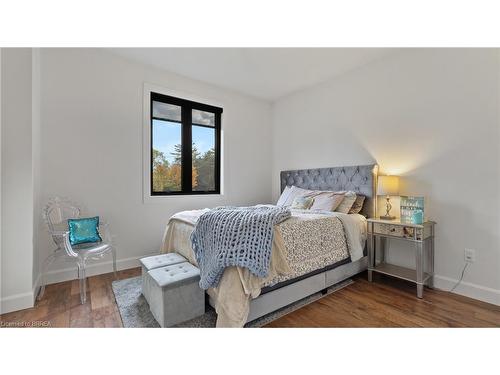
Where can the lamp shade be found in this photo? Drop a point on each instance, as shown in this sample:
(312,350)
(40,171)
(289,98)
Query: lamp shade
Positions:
(388,185)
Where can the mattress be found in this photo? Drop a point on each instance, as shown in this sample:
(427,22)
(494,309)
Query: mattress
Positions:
(310,243)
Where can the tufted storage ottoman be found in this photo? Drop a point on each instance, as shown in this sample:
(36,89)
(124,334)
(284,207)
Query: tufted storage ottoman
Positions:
(175,295)
(157,261)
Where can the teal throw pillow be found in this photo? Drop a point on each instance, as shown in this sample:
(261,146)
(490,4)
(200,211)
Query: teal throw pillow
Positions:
(84,230)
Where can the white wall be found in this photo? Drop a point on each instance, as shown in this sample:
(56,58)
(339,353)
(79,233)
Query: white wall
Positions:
(17,180)
(1,230)
(91,146)
(428,115)
(36,166)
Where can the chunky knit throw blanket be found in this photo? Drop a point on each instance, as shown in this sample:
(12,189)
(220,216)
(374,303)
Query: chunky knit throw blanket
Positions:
(235,236)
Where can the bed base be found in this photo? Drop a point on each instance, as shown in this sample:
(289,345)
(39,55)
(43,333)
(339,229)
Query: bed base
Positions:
(281,297)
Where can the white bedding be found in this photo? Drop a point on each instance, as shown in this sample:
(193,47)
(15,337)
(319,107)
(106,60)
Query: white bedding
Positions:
(355,231)
(354,226)
(237,285)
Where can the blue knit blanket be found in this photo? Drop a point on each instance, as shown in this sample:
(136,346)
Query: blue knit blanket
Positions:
(235,236)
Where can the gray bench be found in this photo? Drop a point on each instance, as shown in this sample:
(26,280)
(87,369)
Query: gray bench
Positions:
(174,293)
(157,261)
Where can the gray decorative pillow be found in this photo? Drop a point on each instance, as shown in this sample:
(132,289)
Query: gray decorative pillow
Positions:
(357,205)
(346,205)
(302,203)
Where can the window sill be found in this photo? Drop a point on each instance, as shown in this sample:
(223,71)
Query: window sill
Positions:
(161,198)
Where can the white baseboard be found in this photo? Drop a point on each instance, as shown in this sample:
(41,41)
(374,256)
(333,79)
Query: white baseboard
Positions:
(20,301)
(471,290)
(92,269)
(27,300)
(16,302)
(36,287)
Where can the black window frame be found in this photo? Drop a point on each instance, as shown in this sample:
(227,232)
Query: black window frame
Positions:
(186,140)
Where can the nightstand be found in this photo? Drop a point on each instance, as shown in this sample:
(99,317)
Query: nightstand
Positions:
(422,238)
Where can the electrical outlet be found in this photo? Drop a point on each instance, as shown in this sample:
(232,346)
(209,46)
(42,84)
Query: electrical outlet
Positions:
(470,255)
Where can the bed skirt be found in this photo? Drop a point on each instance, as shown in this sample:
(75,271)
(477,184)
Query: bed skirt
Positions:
(285,293)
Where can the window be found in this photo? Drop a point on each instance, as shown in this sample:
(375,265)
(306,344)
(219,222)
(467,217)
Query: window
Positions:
(185,146)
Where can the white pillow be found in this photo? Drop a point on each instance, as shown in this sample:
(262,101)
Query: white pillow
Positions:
(283,197)
(326,201)
(294,193)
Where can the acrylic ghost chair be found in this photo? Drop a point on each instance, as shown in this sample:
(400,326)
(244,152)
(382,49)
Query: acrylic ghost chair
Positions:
(56,214)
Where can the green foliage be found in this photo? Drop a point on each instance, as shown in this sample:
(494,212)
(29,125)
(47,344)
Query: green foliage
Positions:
(159,159)
(205,166)
(167,177)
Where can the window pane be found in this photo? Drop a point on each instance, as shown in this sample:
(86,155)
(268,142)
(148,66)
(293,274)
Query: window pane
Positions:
(166,111)
(203,158)
(203,118)
(167,166)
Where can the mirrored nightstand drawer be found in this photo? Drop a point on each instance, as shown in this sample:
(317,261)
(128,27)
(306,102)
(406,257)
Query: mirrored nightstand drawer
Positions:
(398,230)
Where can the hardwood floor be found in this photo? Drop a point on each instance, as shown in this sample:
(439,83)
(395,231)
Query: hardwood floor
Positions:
(388,302)
(385,303)
(60,305)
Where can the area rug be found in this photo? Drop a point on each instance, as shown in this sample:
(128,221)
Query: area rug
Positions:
(135,313)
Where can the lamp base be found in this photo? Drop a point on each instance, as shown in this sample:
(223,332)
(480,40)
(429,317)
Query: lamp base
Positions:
(385,217)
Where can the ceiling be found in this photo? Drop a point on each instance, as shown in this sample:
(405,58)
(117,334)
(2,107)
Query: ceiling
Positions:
(266,73)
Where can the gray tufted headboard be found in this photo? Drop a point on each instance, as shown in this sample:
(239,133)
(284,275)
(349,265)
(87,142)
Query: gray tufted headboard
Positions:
(359,178)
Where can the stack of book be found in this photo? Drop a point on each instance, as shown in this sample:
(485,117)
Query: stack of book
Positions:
(412,210)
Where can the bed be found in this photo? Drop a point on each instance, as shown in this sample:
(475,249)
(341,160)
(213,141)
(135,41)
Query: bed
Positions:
(311,251)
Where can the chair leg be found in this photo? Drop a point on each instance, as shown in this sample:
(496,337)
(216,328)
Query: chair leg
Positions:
(45,268)
(83,283)
(113,253)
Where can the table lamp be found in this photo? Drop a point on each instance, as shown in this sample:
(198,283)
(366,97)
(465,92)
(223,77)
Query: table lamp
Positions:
(388,186)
